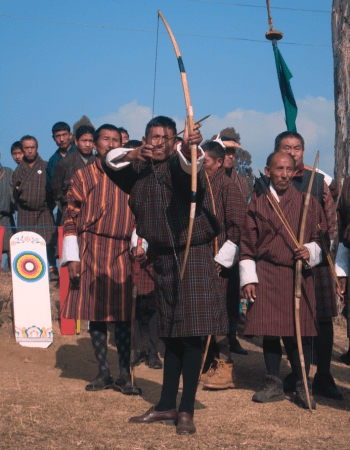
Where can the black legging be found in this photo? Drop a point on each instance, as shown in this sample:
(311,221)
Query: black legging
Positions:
(181,355)
(273,355)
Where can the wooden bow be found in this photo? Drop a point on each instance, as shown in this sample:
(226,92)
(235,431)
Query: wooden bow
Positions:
(193,148)
(298,280)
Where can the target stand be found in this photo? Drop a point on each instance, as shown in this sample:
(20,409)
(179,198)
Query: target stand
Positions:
(31,292)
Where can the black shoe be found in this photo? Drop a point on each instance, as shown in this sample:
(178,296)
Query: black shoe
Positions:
(123,384)
(53,274)
(324,385)
(236,347)
(301,398)
(290,382)
(154,362)
(101,382)
(345,358)
(272,392)
(140,357)
(241,318)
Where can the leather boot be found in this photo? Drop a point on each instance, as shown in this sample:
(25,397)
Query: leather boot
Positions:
(301,398)
(324,385)
(272,392)
(205,376)
(224,377)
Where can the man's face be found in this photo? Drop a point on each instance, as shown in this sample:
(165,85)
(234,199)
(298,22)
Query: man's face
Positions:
(85,144)
(294,147)
(157,135)
(30,150)
(230,158)
(63,139)
(108,140)
(281,172)
(17,155)
(210,165)
(125,137)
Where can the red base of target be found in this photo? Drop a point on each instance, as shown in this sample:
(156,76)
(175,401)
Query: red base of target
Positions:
(67,325)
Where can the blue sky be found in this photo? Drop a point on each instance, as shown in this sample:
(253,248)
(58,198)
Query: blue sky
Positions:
(53,71)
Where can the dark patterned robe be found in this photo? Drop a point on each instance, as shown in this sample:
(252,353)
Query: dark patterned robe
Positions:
(241,183)
(324,286)
(7,206)
(34,203)
(230,211)
(63,174)
(160,201)
(98,214)
(265,241)
(344,236)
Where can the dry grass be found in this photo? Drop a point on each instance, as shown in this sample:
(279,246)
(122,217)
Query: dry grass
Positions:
(43,404)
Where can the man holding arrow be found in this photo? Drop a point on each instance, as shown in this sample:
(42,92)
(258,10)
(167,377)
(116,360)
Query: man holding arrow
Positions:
(158,182)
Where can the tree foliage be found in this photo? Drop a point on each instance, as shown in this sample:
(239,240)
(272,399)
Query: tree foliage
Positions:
(83,121)
(243,157)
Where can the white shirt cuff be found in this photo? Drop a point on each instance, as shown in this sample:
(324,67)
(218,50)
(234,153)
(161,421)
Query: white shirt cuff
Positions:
(133,243)
(185,164)
(114,155)
(247,272)
(315,253)
(227,255)
(342,261)
(70,251)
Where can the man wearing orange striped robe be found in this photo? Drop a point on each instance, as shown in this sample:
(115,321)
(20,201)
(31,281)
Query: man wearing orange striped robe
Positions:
(96,248)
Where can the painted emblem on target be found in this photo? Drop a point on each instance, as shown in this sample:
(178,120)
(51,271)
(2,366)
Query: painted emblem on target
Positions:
(29,266)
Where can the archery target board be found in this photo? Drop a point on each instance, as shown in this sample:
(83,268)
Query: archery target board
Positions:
(31,292)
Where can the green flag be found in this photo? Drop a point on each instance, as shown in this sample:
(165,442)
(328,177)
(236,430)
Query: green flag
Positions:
(284,75)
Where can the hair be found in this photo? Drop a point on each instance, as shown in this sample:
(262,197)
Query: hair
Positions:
(288,134)
(271,155)
(60,126)
(27,137)
(214,150)
(178,139)
(134,143)
(161,121)
(84,129)
(15,145)
(106,126)
(123,130)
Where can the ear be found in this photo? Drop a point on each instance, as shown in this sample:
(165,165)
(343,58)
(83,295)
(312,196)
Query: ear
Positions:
(267,171)
(76,142)
(220,161)
(143,140)
(70,136)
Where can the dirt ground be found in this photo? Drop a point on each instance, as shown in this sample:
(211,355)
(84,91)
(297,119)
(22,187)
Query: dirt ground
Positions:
(43,403)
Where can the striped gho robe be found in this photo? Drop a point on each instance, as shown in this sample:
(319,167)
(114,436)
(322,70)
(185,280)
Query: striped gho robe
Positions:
(34,203)
(160,201)
(343,256)
(324,285)
(97,229)
(267,258)
(230,211)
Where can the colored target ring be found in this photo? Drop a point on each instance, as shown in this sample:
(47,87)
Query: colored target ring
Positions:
(29,266)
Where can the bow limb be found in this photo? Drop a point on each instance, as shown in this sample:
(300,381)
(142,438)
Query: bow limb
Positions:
(298,281)
(193,148)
